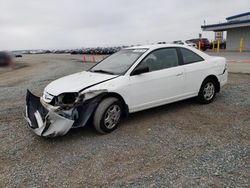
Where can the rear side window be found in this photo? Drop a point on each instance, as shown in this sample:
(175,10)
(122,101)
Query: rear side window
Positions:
(189,56)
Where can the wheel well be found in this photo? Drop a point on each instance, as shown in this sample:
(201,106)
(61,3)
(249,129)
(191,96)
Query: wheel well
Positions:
(116,95)
(213,77)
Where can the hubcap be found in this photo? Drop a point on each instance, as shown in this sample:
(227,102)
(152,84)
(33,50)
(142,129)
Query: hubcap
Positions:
(208,91)
(112,116)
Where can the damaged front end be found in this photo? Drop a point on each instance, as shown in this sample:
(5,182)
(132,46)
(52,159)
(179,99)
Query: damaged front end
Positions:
(55,116)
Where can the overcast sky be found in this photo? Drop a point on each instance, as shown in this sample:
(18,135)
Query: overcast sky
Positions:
(39,24)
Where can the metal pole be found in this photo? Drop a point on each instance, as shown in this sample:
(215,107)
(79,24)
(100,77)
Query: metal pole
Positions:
(218,46)
(241,44)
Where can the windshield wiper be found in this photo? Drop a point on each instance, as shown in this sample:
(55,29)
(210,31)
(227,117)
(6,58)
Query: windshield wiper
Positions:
(102,71)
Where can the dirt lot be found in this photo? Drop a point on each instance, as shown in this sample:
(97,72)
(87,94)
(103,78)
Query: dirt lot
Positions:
(178,145)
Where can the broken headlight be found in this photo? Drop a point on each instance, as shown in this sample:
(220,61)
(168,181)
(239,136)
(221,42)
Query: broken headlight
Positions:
(66,98)
(71,99)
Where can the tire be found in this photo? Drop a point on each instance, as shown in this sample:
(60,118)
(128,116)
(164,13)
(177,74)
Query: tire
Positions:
(207,91)
(107,115)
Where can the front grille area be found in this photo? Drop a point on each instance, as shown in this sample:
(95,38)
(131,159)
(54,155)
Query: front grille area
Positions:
(47,97)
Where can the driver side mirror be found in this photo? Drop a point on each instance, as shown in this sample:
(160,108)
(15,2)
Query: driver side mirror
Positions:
(140,70)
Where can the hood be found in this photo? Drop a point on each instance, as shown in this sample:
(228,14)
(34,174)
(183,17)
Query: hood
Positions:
(76,82)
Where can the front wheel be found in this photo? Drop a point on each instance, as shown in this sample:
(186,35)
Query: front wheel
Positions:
(207,91)
(108,115)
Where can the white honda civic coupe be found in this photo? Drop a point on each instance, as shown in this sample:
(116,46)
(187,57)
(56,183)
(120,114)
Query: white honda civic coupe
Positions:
(128,81)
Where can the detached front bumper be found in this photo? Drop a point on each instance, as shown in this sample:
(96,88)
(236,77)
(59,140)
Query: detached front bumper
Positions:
(45,122)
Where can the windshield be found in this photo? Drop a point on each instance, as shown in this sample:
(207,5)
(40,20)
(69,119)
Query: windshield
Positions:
(119,62)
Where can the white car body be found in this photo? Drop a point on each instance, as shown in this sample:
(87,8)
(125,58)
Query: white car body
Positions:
(147,90)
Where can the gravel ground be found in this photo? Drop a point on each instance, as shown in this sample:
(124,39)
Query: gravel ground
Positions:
(183,144)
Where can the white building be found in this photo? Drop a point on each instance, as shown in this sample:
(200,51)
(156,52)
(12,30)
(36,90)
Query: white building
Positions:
(237,27)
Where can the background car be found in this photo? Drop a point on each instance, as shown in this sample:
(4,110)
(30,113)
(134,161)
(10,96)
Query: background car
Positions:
(97,50)
(223,44)
(188,43)
(18,55)
(204,43)
(5,59)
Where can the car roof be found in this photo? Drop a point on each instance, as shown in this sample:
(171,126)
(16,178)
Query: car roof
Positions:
(158,46)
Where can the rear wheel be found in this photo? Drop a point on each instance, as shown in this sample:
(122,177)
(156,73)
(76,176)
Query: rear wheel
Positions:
(108,115)
(207,91)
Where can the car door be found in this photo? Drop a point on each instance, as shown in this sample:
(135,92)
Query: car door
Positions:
(162,84)
(195,71)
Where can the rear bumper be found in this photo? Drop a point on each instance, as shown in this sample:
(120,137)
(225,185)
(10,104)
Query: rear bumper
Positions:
(45,122)
(223,78)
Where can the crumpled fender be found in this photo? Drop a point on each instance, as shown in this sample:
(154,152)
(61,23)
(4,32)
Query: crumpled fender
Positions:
(87,109)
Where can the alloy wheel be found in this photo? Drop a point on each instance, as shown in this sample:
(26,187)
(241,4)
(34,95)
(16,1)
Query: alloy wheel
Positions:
(209,91)
(112,116)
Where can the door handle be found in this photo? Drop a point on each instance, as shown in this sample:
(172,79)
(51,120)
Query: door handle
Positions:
(179,74)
